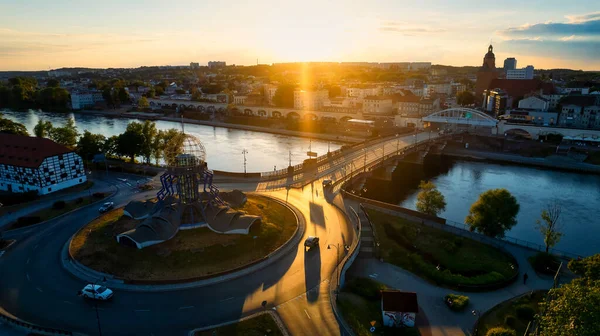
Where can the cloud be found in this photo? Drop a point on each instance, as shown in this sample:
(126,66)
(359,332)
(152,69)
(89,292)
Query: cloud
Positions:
(407,29)
(587,25)
(568,49)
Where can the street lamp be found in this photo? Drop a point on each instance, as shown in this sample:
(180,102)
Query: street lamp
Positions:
(244,152)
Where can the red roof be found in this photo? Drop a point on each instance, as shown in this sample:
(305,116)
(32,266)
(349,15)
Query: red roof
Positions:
(25,151)
(517,88)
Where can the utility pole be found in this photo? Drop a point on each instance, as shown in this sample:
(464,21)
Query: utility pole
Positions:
(365,163)
(290,157)
(244,152)
(328,143)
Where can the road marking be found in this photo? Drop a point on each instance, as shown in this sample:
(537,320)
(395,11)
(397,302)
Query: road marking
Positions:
(374,275)
(28,279)
(142,310)
(307,314)
(28,260)
(2,253)
(39,289)
(68,302)
(231,298)
(187,307)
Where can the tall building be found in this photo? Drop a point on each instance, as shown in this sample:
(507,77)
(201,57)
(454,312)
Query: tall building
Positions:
(525,73)
(496,101)
(37,164)
(194,65)
(310,100)
(486,73)
(510,64)
(81,100)
(217,64)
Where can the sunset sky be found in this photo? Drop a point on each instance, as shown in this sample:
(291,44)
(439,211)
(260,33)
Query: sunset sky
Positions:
(42,35)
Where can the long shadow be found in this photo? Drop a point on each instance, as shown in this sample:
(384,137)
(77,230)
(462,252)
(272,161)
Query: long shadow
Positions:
(312,273)
(317,215)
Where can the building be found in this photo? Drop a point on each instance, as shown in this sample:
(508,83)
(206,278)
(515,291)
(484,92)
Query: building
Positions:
(59,73)
(37,164)
(399,309)
(310,100)
(486,73)
(416,66)
(553,100)
(80,100)
(540,118)
(495,102)
(240,100)
(525,73)
(439,88)
(534,103)
(194,65)
(580,112)
(517,89)
(362,92)
(269,91)
(510,64)
(408,105)
(378,105)
(576,90)
(216,64)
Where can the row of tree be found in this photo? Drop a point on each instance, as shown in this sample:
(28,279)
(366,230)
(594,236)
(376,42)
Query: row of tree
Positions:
(23,93)
(494,213)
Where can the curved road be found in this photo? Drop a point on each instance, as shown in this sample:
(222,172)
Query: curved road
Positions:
(37,289)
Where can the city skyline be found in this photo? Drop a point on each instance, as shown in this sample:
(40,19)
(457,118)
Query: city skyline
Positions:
(109,34)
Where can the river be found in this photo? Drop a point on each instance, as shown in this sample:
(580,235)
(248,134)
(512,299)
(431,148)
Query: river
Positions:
(461,182)
(224,146)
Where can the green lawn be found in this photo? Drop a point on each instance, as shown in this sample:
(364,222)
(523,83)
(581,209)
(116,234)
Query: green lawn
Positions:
(49,213)
(191,253)
(360,304)
(439,256)
(262,325)
(496,317)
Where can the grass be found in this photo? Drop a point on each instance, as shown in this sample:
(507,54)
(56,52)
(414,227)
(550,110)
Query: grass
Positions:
(497,316)
(49,213)
(191,253)
(359,308)
(260,325)
(439,256)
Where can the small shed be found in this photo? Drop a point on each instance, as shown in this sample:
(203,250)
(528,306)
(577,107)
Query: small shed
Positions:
(399,309)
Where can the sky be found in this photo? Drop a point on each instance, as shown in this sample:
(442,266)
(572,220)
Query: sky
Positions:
(43,35)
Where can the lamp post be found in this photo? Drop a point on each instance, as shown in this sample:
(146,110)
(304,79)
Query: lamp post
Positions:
(244,152)
(365,162)
(397,145)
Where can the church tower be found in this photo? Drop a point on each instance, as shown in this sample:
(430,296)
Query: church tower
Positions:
(486,73)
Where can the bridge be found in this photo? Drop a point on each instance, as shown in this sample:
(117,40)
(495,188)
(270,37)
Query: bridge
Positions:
(461,116)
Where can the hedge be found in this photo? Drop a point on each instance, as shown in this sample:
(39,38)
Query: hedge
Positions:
(456,302)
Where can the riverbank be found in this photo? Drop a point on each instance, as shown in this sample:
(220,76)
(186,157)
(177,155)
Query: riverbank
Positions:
(551,162)
(121,113)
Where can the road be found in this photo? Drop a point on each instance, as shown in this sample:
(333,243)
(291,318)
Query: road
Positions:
(37,289)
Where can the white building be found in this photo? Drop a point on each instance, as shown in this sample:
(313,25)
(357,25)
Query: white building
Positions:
(269,91)
(377,105)
(239,100)
(359,92)
(217,64)
(525,73)
(37,164)
(81,100)
(553,100)
(534,103)
(310,100)
(581,90)
(440,88)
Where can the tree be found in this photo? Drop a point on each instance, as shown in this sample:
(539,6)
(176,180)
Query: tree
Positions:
(90,144)
(53,83)
(66,135)
(493,213)
(284,96)
(173,144)
(143,103)
(42,129)
(149,132)
(465,98)
(549,226)
(11,127)
(130,142)
(123,95)
(572,309)
(430,200)
(111,146)
(587,267)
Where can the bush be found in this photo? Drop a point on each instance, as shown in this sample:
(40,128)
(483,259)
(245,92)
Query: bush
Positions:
(525,312)
(98,195)
(544,263)
(456,302)
(59,205)
(27,220)
(367,288)
(510,321)
(501,332)
(18,198)
(79,200)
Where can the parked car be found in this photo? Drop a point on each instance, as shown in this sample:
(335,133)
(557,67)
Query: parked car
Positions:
(96,292)
(327,183)
(311,241)
(106,206)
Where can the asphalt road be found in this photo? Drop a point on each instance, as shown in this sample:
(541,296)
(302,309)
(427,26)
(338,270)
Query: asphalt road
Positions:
(36,288)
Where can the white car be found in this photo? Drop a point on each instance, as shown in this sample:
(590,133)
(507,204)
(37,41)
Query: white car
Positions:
(96,292)
(106,206)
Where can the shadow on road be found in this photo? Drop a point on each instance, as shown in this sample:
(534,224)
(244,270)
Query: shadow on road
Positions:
(312,273)
(317,215)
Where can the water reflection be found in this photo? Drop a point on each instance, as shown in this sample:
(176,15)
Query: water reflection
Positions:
(223,146)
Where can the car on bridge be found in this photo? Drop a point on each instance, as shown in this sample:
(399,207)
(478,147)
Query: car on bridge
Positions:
(327,183)
(106,206)
(96,292)
(311,241)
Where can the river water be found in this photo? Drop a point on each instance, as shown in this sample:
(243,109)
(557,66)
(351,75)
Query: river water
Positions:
(224,146)
(462,181)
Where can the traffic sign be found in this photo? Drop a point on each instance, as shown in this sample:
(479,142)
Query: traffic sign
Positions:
(311,154)
(373,323)
(372,329)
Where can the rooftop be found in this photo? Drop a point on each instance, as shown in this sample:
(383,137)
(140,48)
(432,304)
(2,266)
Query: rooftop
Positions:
(397,301)
(25,151)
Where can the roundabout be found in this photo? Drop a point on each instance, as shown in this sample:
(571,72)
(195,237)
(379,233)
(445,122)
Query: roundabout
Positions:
(193,254)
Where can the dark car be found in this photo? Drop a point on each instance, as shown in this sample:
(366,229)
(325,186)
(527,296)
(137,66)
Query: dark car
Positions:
(106,206)
(311,242)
